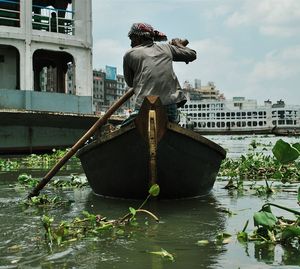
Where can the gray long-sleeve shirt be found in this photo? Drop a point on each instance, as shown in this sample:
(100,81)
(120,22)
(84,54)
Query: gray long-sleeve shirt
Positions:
(148,70)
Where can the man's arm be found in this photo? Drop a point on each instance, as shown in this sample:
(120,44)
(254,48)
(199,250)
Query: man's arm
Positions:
(180,52)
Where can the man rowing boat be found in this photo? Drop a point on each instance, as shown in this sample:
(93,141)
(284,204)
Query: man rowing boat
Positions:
(148,68)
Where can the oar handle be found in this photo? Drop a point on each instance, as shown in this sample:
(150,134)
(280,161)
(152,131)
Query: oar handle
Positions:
(80,143)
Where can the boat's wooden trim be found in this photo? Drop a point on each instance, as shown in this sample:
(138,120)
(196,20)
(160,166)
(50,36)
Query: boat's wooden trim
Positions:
(141,121)
(176,128)
(152,143)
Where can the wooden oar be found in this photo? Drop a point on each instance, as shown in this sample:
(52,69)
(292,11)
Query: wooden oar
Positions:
(80,143)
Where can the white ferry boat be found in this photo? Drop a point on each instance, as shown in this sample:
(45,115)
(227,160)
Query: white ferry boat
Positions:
(240,116)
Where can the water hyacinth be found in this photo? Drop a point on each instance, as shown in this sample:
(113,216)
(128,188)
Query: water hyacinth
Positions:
(272,229)
(35,161)
(8,165)
(257,166)
(91,225)
(75,181)
(46,201)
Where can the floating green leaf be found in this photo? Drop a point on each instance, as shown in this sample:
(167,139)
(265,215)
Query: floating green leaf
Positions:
(164,254)
(154,190)
(27,180)
(290,232)
(284,152)
(132,211)
(265,219)
(242,236)
(297,146)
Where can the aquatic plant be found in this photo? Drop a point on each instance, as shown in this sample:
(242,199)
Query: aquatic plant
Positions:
(75,181)
(256,166)
(36,161)
(8,165)
(45,160)
(46,201)
(91,225)
(27,180)
(272,229)
(286,153)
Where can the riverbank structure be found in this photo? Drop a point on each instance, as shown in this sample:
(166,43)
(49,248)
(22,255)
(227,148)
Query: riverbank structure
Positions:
(40,41)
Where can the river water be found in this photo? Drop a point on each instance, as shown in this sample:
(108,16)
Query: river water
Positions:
(183,223)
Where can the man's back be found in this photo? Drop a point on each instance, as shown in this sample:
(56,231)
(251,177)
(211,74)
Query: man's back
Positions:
(148,69)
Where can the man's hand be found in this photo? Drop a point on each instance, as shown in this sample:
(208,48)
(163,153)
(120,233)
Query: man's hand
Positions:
(179,42)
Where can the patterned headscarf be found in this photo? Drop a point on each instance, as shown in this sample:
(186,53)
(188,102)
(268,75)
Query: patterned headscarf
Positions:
(147,31)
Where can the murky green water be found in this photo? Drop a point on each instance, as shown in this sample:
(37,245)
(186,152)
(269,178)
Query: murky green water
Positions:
(182,224)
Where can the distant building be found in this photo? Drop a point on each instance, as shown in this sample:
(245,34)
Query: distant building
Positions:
(120,85)
(108,87)
(98,89)
(197,83)
(209,91)
(199,92)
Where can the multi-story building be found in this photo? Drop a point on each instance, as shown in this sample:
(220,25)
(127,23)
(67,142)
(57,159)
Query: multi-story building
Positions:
(210,92)
(199,92)
(110,92)
(108,87)
(98,90)
(40,41)
(120,85)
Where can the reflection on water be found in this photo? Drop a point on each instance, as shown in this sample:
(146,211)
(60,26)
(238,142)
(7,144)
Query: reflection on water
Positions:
(182,224)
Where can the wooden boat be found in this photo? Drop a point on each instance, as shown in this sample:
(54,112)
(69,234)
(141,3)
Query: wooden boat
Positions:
(126,162)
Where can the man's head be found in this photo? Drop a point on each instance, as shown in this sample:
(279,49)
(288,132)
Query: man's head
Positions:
(141,32)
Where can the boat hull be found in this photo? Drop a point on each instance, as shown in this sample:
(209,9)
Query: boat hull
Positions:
(120,167)
(118,164)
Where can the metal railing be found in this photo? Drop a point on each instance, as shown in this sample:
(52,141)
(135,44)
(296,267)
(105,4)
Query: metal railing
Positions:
(47,19)
(10,13)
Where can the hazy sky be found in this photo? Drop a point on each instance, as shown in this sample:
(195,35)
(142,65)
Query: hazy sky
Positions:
(249,48)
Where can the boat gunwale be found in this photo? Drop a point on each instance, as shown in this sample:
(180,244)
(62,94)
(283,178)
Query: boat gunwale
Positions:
(196,136)
(104,138)
(170,126)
